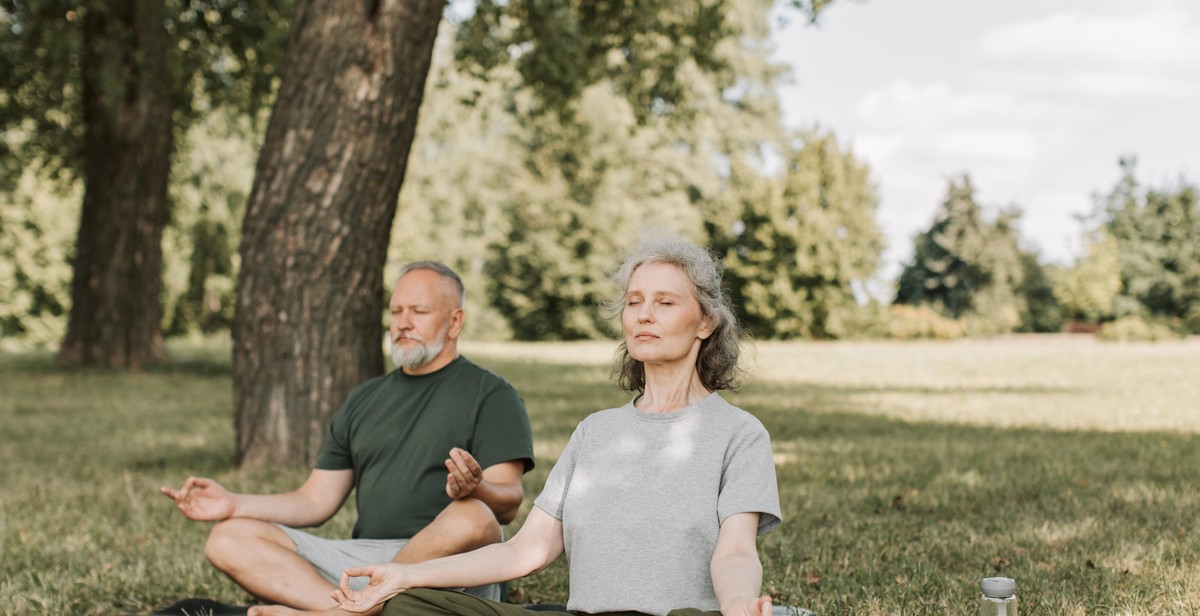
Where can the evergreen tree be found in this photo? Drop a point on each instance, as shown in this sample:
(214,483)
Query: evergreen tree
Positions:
(965,266)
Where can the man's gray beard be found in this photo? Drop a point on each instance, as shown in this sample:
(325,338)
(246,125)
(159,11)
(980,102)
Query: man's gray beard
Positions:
(413,358)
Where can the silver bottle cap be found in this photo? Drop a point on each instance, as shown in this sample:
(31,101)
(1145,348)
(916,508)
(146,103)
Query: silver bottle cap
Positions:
(999,587)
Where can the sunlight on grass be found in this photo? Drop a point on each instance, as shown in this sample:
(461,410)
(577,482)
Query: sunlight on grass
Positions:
(1068,384)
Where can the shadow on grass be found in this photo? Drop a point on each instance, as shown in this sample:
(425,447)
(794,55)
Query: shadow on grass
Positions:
(204,361)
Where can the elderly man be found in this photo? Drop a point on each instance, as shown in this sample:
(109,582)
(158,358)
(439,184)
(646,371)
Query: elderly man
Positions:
(435,449)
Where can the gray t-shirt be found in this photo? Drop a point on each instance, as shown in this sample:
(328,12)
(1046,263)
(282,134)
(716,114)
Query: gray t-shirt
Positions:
(642,496)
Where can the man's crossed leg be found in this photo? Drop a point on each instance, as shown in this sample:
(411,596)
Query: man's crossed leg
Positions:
(272,563)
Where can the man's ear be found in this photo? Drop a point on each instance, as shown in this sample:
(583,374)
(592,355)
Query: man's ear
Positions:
(458,318)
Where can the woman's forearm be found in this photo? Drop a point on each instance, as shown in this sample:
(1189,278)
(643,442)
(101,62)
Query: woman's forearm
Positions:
(737,578)
(498,562)
(736,570)
(533,548)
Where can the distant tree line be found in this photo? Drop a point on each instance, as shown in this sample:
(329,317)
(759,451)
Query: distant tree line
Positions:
(532,206)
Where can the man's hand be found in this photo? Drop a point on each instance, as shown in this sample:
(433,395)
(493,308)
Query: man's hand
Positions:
(464,474)
(202,499)
(750,607)
(387,581)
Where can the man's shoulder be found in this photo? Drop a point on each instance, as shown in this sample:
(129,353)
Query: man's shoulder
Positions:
(468,370)
(370,385)
(366,391)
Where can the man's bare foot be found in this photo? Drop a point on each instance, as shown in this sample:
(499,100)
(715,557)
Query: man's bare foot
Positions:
(283,610)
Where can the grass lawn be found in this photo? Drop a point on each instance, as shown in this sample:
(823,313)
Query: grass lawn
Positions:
(907,471)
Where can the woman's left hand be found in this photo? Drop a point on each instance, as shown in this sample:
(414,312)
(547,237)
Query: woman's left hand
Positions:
(387,581)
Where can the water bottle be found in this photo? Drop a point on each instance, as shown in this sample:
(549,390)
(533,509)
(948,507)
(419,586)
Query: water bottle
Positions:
(999,597)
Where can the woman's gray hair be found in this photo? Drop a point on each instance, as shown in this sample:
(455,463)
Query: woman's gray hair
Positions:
(718,359)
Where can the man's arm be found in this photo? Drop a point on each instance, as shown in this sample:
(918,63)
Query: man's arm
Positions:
(498,486)
(312,504)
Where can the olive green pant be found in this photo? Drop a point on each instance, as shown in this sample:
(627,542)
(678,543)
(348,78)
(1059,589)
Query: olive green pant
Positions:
(435,602)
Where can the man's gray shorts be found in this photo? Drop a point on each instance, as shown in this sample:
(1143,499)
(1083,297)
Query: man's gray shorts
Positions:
(332,556)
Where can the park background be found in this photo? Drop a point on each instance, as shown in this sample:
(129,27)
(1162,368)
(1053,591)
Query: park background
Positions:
(932,422)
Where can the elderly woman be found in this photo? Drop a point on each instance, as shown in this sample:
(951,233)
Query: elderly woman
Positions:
(657,503)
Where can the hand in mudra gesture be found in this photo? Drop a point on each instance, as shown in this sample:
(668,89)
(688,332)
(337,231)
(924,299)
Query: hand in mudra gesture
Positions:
(202,499)
(463,474)
(387,581)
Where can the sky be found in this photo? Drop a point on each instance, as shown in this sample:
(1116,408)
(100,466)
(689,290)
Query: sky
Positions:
(1035,99)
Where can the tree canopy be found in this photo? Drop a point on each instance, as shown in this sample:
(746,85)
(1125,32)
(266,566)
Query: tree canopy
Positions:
(967,266)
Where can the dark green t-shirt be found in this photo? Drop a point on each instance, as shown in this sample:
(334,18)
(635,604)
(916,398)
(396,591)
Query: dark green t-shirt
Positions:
(395,431)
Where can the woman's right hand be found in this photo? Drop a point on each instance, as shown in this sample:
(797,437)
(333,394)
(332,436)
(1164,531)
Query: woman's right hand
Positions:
(387,581)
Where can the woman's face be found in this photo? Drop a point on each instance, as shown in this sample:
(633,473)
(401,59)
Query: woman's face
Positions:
(662,319)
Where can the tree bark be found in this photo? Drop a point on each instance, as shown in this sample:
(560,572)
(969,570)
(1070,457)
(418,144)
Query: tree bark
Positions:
(309,319)
(116,315)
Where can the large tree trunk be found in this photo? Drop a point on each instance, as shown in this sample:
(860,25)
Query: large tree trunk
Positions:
(116,314)
(308,326)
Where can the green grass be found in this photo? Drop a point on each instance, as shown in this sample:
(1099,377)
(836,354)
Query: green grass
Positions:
(907,473)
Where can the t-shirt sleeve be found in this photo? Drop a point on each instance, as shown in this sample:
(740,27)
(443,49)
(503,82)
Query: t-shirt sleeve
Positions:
(335,453)
(502,431)
(555,491)
(748,482)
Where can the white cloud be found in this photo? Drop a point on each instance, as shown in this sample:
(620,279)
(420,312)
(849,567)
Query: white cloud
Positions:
(988,144)
(879,146)
(1128,84)
(1041,92)
(999,101)
(1153,39)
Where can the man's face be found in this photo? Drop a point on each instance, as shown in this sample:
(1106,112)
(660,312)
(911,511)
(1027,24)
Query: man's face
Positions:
(424,317)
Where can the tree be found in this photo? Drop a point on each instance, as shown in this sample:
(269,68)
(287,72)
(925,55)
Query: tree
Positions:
(1157,231)
(607,169)
(307,325)
(803,242)
(965,266)
(212,174)
(1041,311)
(586,187)
(98,91)
(127,109)
(1086,290)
